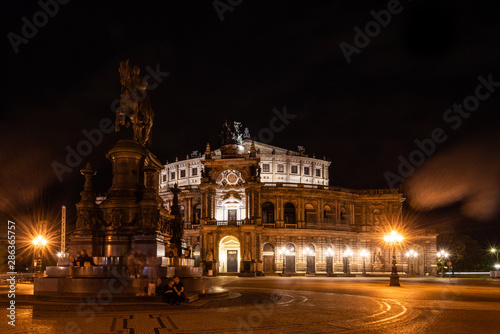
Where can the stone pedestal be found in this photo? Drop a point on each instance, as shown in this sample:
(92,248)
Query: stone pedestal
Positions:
(116,245)
(81,241)
(150,244)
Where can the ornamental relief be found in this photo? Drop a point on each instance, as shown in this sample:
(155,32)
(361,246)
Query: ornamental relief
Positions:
(230,178)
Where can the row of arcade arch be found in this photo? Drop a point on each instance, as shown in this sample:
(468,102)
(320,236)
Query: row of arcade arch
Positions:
(310,214)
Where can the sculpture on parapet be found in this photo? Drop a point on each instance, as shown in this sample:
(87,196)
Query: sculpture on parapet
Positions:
(176,225)
(135,107)
(231,133)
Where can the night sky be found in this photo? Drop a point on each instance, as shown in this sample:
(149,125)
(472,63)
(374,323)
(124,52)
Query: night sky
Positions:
(362,115)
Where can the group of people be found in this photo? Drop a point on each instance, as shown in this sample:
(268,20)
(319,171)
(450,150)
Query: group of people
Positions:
(173,292)
(82,259)
(135,262)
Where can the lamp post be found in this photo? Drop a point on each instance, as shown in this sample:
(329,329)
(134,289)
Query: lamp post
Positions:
(329,260)
(495,251)
(393,239)
(411,255)
(308,252)
(39,243)
(364,254)
(348,253)
(283,251)
(442,255)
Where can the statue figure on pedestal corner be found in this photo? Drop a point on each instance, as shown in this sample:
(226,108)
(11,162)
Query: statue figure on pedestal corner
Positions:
(135,107)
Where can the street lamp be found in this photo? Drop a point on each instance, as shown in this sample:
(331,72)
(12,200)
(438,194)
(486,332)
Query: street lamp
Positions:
(495,251)
(39,243)
(329,260)
(497,266)
(283,251)
(411,255)
(364,254)
(442,255)
(347,253)
(310,266)
(392,240)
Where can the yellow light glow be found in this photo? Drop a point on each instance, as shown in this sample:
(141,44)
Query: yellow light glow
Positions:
(393,237)
(364,253)
(40,241)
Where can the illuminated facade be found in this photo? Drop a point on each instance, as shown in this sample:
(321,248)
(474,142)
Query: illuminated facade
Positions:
(252,208)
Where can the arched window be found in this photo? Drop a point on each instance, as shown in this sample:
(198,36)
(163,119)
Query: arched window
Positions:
(182,209)
(327,212)
(196,213)
(343,215)
(268,248)
(290,213)
(310,213)
(290,248)
(268,213)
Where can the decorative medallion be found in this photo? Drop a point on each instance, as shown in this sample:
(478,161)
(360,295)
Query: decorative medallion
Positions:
(230,178)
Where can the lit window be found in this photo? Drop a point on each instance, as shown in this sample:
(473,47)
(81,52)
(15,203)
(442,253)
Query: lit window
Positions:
(183,173)
(294,169)
(318,172)
(194,172)
(172,176)
(265,168)
(280,168)
(306,170)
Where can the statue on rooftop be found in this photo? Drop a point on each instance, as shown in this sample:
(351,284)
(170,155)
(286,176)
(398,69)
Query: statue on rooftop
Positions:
(231,133)
(135,107)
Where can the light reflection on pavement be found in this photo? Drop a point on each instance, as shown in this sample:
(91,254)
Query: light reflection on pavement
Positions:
(302,305)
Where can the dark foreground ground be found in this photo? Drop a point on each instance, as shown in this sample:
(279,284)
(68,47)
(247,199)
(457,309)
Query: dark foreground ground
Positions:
(281,305)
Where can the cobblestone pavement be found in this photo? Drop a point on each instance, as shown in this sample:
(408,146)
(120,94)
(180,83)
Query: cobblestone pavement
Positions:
(307,305)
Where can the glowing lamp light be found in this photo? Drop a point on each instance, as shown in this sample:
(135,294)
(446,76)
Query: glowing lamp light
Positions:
(411,253)
(329,252)
(283,250)
(308,251)
(364,253)
(393,238)
(348,252)
(493,250)
(443,254)
(497,266)
(39,241)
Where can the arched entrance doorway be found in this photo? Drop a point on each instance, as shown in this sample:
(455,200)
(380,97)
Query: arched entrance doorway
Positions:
(288,254)
(268,253)
(229,255)
(311,258)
